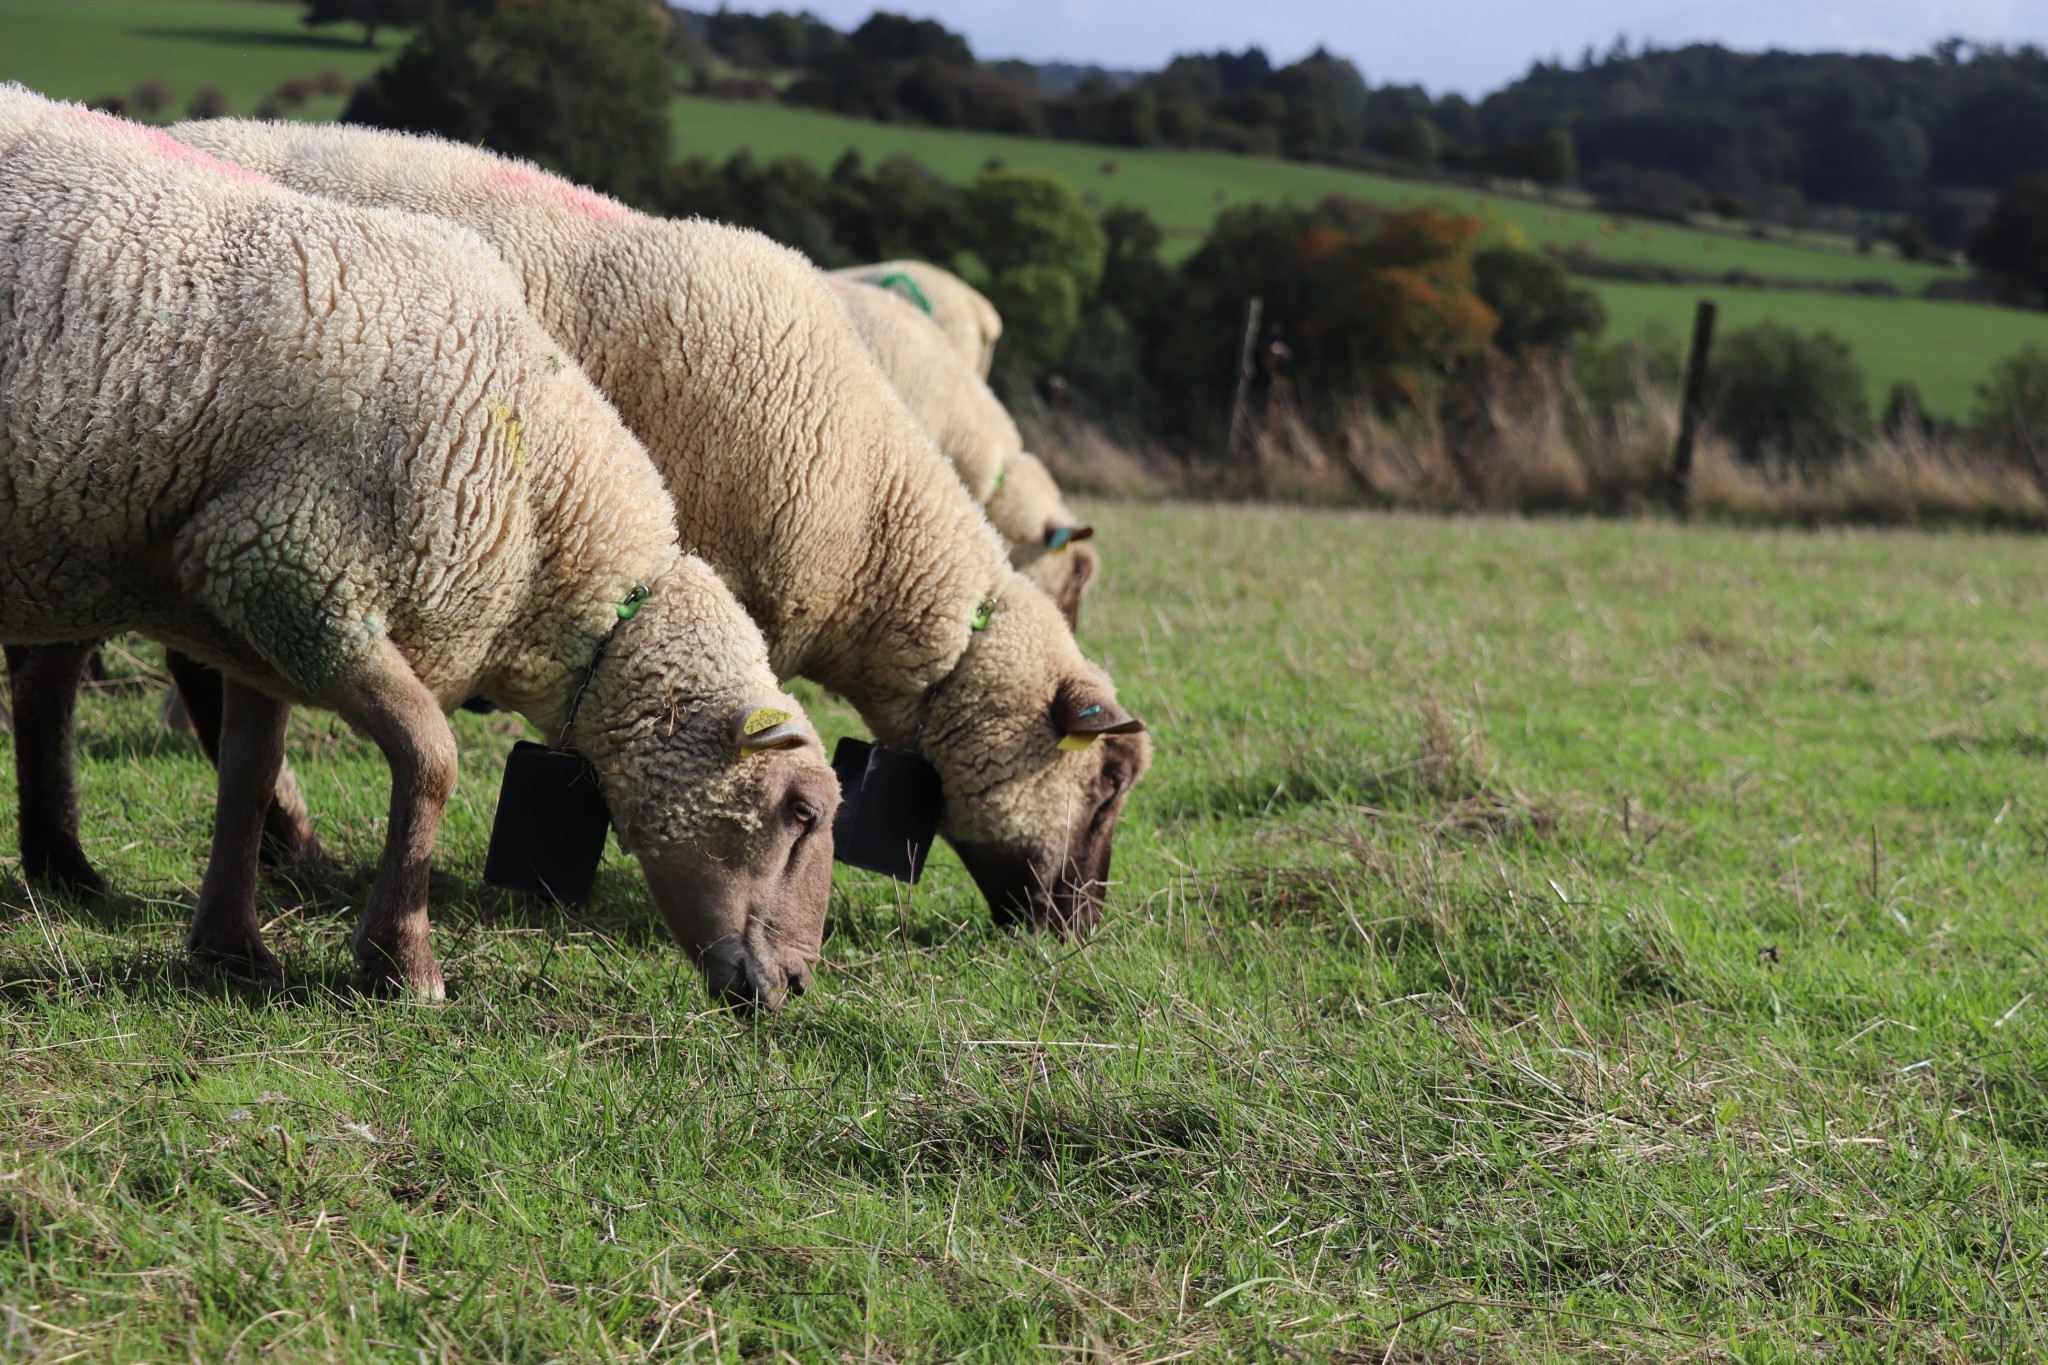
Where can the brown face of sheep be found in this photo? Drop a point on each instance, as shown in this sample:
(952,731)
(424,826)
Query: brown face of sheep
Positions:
(746,896)
(1039,844)
(1065,569)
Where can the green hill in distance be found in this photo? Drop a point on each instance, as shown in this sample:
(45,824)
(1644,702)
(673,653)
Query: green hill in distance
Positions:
(83,49)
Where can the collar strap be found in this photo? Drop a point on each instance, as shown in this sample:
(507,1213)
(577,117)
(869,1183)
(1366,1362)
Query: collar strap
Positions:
(627,608)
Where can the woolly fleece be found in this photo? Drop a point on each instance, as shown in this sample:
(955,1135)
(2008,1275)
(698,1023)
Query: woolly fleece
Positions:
(795,471)
(970,322)
(273,431)
(972,430)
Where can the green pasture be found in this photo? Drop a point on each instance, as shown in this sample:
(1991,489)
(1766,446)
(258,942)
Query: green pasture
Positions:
(1944,348)
(1184,191)
(82,49)
(1535,941)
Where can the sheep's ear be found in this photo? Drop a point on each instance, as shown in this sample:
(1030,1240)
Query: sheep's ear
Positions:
(1058,538)
(1083,715)
(757,729)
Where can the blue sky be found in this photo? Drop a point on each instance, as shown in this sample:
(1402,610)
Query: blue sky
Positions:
(1467,45)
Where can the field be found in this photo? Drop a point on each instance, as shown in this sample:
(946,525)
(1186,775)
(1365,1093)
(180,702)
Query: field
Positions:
(1184,191)
(1943,348)
(85,48)
(1535,941)
(82,49)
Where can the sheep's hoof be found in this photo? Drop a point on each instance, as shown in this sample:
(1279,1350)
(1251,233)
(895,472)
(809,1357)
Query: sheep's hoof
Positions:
(243,954)
(65,867)
(400,975)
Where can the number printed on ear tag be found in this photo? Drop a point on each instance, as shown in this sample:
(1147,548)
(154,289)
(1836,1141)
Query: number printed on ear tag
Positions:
(765,718)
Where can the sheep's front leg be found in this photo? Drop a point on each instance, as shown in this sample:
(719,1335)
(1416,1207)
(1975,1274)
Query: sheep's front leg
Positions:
(225,927)
(45,682)
(288,839)
(386,702)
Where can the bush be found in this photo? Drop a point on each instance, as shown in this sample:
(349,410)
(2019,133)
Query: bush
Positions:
(1536,302)
(207,102)
(2012,241)
(580,86)
(1778,395)
(1044,253)
(2012,410)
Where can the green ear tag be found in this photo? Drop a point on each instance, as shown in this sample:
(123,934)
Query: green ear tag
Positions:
(982,613)
(1001,474)
(629,606)
(896,282)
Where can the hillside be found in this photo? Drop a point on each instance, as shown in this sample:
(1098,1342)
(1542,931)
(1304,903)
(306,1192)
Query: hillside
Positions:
(1943,348)
(83,49)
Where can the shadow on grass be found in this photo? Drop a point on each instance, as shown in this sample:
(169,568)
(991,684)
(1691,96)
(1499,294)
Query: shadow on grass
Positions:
(242,37)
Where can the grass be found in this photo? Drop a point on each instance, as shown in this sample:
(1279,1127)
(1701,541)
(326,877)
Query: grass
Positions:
(83,49)
(1535,941)
(1946,349)
(1184,191)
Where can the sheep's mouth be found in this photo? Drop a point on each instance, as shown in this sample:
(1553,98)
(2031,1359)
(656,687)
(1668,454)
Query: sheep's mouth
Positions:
(1057,896)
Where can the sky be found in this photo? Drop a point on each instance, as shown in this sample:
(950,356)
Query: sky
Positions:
(1470,46)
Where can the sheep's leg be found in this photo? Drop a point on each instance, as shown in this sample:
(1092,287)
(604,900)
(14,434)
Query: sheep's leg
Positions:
(225,927)
(386,702)
(288,839)
(45,682)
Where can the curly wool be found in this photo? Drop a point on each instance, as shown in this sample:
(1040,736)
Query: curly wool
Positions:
(794,468)
(270,431)
(969,425)
(970,322)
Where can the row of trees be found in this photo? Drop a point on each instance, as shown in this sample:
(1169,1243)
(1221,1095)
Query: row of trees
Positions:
(1671,131)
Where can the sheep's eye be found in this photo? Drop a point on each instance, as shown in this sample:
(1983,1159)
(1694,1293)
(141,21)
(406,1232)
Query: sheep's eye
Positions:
(805,813)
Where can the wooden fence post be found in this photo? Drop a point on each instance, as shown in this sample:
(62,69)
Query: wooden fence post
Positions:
(1244,373)
(1689,414)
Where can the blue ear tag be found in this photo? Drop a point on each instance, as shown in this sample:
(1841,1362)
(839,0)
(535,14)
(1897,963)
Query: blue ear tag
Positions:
(1091,711)
(1058,538)
(982,614)
(629,606)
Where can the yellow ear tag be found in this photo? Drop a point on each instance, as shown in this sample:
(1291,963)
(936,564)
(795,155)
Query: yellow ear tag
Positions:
(1075,742)
(765,718)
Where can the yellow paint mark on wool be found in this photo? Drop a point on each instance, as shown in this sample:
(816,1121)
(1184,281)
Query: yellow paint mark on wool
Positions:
(502,419)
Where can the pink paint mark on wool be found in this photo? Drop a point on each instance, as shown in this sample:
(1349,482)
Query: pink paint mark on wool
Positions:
(165,145)
(585,203)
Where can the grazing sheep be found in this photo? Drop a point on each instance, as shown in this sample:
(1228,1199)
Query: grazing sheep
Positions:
(328,452)
(975,433)
(800,476)
(960,310)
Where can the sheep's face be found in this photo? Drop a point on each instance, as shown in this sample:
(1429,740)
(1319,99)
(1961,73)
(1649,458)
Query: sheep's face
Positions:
(1037,760)
(721,789)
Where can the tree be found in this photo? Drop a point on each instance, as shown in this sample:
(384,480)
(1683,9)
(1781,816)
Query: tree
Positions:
(580,86)
(1044,252)
(2012,241)
(1779,395)
(1536,302)
(371,14)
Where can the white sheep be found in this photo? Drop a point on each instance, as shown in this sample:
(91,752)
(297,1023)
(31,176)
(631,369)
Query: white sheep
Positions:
(970,322)
(327,451)
(973,430)
(801,477)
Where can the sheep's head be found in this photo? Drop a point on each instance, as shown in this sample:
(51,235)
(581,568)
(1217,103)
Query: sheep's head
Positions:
(1037,759)
(1046,541)
(717,784)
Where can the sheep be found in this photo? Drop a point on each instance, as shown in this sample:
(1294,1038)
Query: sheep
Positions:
(803,480)
(973,431)
(960,310)
(327,451)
